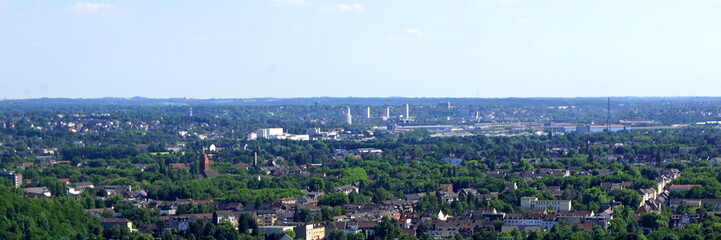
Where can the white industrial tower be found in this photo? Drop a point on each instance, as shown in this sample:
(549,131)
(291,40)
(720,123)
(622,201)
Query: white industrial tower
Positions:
(408,112)
(368,112)
(348,116)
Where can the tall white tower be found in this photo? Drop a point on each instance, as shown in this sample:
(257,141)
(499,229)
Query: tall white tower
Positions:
(408,112)
(388,113)
(348,116)
(368,112)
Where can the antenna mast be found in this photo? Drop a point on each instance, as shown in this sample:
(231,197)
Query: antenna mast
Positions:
(608,115)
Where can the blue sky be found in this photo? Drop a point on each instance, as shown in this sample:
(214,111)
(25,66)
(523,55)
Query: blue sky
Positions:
(409,48)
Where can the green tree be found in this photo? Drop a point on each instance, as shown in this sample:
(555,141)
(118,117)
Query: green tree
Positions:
(387,229)
(653,220)
(336,235)
(334,199)
(628,197)
(356,236)
(290,233)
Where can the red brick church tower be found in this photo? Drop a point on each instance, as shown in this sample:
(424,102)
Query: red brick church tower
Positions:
(204,163)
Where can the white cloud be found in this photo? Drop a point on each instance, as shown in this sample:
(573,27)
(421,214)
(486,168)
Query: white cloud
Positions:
(351,8)
(288,2)
(86,7)
(524,20)
(414,31)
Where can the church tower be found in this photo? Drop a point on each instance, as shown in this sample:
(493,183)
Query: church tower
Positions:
(204,163)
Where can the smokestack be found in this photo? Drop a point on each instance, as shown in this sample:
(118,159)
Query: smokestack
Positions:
(368,112)
(608,115)
(348,116)
(408,111)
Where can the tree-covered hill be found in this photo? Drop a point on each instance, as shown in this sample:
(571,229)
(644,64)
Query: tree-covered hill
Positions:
(31,218)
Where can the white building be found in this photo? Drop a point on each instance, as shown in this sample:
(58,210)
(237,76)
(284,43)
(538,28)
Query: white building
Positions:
(530,203)
(269,132)
(310,231)
(276,133)
(252,136)
(301,137)
(521,219)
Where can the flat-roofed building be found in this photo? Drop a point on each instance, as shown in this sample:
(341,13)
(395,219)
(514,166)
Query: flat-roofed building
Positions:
(15,178)
(530,203)
(314,231)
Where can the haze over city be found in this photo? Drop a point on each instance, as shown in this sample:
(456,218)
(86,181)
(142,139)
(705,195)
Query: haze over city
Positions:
(307,48)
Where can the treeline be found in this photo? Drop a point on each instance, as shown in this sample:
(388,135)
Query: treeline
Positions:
(70,153)
(29,218)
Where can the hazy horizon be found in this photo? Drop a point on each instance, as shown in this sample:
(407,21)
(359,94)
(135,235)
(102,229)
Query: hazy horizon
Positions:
(362,97)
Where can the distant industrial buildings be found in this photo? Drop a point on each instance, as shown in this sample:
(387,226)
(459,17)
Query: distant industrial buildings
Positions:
(269,132)
(318,134)
(429,128)
(310,134)
(585,128)
(388,114)
(275,133)
(404,117)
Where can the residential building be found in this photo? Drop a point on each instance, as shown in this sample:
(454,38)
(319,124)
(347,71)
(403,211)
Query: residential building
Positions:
(38,192)
(109,223)
(346,189)
(315,231)
(530,203)
(15,178)
(680,220)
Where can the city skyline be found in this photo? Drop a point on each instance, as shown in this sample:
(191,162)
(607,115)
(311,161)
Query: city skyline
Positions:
(307,48)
